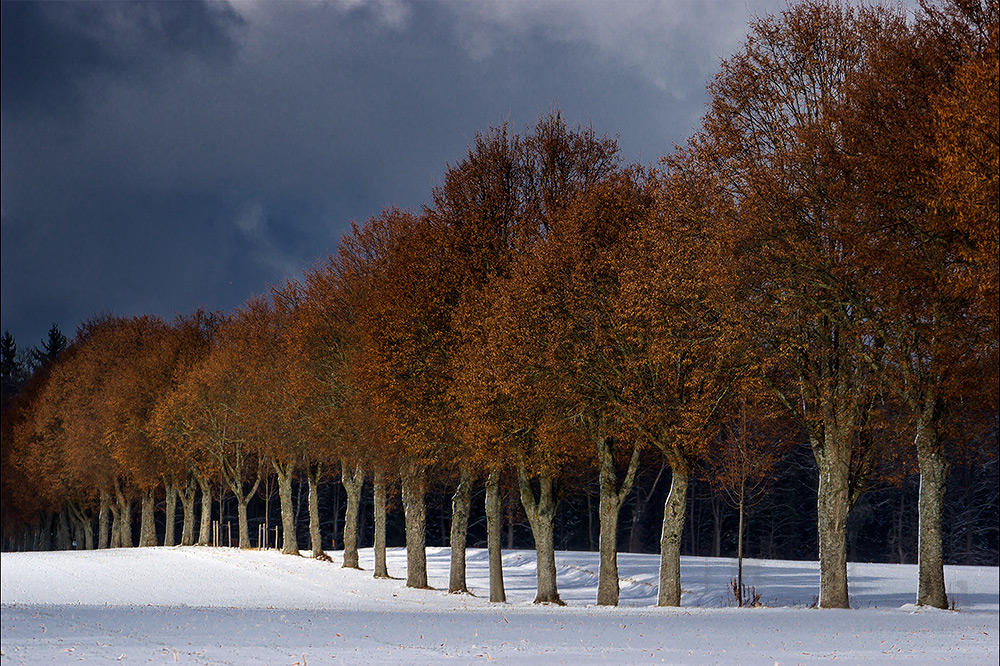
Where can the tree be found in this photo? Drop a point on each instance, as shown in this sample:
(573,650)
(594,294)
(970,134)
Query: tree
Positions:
(191,336)
(53,345)
(521,356)
(680,356)
(742,465)
(578,278)
(930,239)
(405,325)
(13,374)
(315,348)
(792,238)
(480,207)
(211,411)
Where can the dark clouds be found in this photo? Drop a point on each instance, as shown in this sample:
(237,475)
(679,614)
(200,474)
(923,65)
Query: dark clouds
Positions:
(159,157)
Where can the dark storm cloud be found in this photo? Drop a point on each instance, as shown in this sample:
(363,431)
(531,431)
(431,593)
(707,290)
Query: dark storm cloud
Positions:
(158,157)
(51,49)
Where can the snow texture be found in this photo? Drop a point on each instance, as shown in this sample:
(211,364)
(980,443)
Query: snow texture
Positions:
(196,605)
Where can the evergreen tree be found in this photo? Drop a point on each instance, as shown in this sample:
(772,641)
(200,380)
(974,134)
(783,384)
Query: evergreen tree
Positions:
(50,348)
(14,372)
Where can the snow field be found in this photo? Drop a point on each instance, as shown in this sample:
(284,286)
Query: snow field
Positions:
(196,605)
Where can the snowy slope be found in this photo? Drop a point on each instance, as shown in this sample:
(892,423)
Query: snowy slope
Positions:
(224,606)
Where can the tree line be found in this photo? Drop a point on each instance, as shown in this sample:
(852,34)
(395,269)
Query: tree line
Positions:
(817,266)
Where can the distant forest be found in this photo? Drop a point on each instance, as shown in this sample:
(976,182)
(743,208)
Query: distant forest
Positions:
(781,341)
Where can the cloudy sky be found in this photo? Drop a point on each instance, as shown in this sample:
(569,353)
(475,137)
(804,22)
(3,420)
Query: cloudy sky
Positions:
(161,157)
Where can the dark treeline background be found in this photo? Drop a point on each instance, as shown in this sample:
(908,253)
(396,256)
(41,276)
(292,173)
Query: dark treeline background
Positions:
(782,525)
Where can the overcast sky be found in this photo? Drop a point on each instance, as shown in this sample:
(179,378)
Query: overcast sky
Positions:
(161,157)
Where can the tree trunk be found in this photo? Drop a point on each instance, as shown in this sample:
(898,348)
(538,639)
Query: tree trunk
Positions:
(83,528)
(63,539)
(205,527)
(541,516)
(103,520)
(379,502)
(88,533)
(77,528)
(116,524)
(244,524)
(641,503)
(170,513)
(46,533)
(124,518)
(313,471)
(461,505)
(613,496)
(739,550)
(414,480)
(290,543)
(147,524)
(243,498)
(353,483)
(494,527)
(933,479)
(833,507)
(670,540)
(187,496)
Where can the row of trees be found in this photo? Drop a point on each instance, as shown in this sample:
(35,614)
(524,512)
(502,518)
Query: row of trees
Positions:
(818,264)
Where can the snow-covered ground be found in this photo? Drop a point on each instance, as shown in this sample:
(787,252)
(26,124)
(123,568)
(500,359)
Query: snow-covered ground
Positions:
(225,606)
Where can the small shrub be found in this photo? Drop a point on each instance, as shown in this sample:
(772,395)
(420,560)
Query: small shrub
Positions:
(743,595)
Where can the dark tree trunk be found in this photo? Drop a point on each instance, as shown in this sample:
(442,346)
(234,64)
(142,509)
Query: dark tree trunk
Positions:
(124,518)
(45,531)
(414,480)
(670,540)
(613,495)
(243,498)
(833,505)
(63,539)
(314,471)
(103,520)
(187,497)
(290,541)
(205,526)
(641,506)
(116,524)
(83,527)
(379,502)
(541,516)
(494,526)
(170,513)
(461,505)
(353,482)
(739,549)
(933,480)
(147,524)
(716,525)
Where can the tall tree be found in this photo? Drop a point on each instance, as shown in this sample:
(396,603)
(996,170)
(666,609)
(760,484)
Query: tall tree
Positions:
(519,361)
(930,243)
(212,406)
(406,332)
(678,363)
(793,238)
